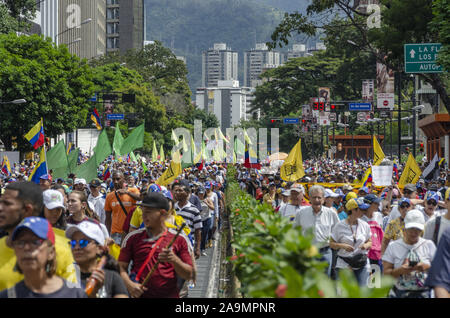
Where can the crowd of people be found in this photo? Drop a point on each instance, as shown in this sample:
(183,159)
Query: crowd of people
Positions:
(117,237)
(127,236)
(402,232)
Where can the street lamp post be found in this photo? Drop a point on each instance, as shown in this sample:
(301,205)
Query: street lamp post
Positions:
(75,27)
(16,101)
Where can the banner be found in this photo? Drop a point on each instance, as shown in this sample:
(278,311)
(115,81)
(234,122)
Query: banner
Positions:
(292,168)
(171,173)
(378,154)
(411,173)
(385,87)
(382,175)
(367,90)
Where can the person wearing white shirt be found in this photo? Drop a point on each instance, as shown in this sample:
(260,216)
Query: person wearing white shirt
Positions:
(320,219)
(96,200)
(291,209)
(372,214)
(410,192)
(352,238)
(408,259)
(434,231)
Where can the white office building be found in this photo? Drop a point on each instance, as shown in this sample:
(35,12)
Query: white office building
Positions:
(256,61)
(219,63)
(229,102)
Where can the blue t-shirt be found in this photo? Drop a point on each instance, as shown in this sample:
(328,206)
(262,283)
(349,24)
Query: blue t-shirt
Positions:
(438,274)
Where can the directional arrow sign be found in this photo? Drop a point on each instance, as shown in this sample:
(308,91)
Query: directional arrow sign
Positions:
(421,58)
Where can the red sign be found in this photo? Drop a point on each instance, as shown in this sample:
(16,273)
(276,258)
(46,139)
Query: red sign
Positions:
(385,103)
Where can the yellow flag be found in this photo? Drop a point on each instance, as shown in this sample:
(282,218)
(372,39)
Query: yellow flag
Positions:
(378,154)
(154,152)
(162,158)
(247,138)
(411,173)
(172,172)
(222,136)
(292,168)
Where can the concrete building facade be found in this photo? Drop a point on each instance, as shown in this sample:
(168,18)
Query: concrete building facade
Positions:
(219,63)
(256,61)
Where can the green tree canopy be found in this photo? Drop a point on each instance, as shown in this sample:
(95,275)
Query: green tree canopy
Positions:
(55,84)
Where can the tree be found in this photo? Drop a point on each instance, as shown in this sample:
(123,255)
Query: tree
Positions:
(55,84)
(441,25)
(15,14)
(402,22)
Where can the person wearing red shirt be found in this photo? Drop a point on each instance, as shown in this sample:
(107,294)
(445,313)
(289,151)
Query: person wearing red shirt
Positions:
(175,263)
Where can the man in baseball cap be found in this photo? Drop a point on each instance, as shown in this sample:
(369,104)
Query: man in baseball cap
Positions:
(39,226)
(45,182)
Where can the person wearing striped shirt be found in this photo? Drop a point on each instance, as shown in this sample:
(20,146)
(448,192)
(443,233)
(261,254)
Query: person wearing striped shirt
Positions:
(189,212)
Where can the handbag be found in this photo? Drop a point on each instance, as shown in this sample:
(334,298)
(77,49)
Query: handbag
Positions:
(357,261)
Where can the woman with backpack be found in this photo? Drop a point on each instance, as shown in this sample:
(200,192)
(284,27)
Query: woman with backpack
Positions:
(408,259)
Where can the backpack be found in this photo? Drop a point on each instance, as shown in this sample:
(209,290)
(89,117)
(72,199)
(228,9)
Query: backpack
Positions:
(377,239)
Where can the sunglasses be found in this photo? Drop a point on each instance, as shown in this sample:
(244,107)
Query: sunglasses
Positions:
(403,206)
(82,243)
(432,202)
(33,243)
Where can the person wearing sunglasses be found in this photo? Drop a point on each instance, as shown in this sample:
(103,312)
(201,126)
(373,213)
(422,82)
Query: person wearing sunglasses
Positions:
(33,241)
(435,227)
(394,229)
(87,243)
(430,204)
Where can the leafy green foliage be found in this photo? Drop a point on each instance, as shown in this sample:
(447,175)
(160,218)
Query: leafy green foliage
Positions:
(273,259)
(15,14)
(441,25)
(55,84)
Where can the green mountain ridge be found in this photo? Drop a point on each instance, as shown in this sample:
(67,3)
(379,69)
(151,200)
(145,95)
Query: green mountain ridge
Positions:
(189,27)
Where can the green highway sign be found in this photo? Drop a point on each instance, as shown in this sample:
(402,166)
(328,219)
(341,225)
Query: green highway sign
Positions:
(421,58)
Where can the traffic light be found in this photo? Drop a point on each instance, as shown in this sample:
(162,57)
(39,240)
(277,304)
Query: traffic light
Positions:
(337,108)
(273,120)
(407,149)
(421,147)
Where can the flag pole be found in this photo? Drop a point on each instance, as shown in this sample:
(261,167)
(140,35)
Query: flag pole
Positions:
(45,151)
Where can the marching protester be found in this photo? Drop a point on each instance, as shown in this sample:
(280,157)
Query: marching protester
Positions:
(435,227)
(156,267)
(352,239)
(33,241)
(89,252)
(21,200)
(438,277)
(408,259)
(296,202)
(54,209)
(96,199)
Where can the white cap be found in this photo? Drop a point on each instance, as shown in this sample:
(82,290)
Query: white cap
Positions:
(330,194)
(414,219)
(79,180)
(53,199)
(88,228)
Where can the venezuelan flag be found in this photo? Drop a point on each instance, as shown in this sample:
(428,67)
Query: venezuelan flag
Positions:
(40,169)
(6,167)
(36,135)
(247,162)
(96,119)
(106,174)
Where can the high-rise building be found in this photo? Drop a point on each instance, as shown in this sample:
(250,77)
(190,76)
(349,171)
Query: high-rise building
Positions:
(81,26)
(219,63)
(229,102)
(124,25)
(256,61)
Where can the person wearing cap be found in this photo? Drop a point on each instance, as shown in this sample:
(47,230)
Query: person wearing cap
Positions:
(430,204)
(54,209)
(152,241)
(408,259)
(362,192)
(292,208)
(87,242)
(97,200)
(79,185)
(409,192)
(189,212)
(330,197)
(45,182)
(372,213)
(253,185)
(20,200)
(319,218)
(350,195)
(347,189)
(352,239)
(269,197)
(33,241)
(434,227)
(115,213)
(394,229)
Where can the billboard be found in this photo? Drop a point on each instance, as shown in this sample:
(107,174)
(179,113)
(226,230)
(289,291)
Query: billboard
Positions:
(385,87)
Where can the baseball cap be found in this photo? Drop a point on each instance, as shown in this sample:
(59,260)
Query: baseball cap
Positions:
(330,194)
(356,203)
(410,187)
(207,185)
(365,189)
(414,219)
(347,187)
(79,181)
(46,177)
(431,195)
(286,193)
(201,190)
(88,228)
(53,199)
(350,195)
(154,188)
(403,200)
(155,200)
(372,198)
(95,182)
(39,226)
(145,180)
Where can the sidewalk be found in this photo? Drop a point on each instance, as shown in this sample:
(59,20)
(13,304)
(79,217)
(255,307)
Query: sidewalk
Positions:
(208,272)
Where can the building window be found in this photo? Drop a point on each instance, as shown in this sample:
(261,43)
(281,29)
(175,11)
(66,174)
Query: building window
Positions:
(112,43)
(112,28)
(110,2)
(112,13)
